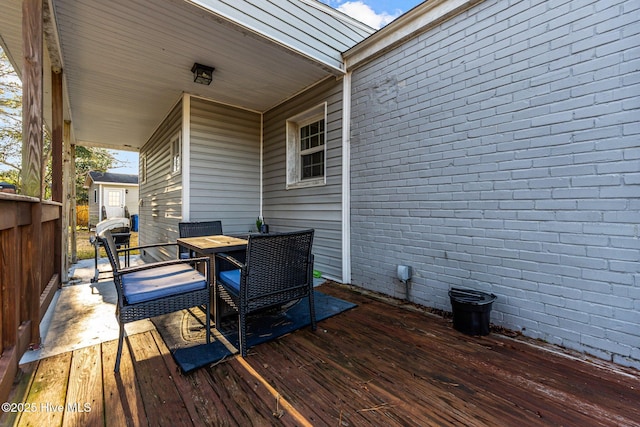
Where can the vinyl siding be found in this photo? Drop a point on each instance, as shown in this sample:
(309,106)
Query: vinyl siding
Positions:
(225,165)
(131,199)
(161,194)
(315,207)
(94,203)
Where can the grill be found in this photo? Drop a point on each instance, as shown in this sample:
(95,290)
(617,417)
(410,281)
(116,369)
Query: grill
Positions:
(116,225)
(121,232)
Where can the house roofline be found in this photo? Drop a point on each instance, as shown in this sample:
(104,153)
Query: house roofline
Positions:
(417,21)
(254,32)
(338,14)
(89,179)
(119,184)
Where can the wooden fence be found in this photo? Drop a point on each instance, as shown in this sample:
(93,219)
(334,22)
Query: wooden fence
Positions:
(30,264)
(82,216)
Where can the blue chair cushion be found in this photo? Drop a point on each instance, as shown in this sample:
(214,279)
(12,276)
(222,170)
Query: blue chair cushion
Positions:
(230,279)
(154,283)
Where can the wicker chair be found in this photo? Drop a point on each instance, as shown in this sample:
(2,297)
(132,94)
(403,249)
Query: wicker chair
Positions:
(157,288)
(278,269)
(197,229)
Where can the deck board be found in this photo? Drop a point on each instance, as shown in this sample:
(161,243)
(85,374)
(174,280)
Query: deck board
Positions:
(211,409)
(48,392)
(19,392)
(377,364)
(163,404)
(122,399)
(84,403)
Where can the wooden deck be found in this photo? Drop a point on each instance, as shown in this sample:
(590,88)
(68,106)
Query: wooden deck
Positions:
(378,364)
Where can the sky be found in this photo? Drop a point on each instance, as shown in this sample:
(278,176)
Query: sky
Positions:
(129,159)
(375,13)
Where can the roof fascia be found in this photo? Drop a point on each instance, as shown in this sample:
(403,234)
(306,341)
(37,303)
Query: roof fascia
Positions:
(115,183)
(338,15)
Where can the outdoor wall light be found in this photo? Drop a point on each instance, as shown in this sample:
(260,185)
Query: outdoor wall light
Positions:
(202,74)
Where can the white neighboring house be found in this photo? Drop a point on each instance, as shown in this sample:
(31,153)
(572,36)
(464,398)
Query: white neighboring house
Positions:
(118,193)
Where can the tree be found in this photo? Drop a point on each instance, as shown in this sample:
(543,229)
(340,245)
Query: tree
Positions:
(91,159)
(10,122)
(11,130)
(87,159)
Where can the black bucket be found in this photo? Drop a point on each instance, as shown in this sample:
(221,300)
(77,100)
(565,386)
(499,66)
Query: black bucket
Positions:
(471,311)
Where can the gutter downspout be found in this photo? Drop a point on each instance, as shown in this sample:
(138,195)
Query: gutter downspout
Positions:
(100,202)
(346,178)
(185,156)
(261,162)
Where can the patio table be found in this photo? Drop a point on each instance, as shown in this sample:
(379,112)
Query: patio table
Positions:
(210,246)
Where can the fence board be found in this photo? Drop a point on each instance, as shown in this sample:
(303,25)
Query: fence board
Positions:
(28,278)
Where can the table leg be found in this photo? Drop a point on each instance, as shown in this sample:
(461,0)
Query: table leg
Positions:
(214,294)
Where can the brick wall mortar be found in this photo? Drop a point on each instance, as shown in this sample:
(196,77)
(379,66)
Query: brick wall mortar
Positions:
(500,152)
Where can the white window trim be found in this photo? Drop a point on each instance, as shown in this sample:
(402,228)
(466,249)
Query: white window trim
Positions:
(176,164)
(143,168)
(294,124)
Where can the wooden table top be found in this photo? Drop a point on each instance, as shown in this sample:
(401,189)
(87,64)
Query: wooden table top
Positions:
(212,244)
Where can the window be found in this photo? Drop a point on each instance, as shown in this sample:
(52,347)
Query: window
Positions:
(114,198)
(306,148)
(312,149)
(176,160)
(143,168)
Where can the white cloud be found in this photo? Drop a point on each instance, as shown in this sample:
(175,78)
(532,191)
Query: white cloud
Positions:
(363,13)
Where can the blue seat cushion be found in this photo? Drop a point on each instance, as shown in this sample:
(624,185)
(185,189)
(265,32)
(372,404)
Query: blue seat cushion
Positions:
(154,283)
(230,279)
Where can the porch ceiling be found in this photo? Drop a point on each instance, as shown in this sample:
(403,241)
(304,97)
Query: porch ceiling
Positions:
(126,63)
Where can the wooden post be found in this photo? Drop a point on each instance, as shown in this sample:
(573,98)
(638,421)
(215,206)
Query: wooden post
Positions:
(32,148)
(32,82)
(57,187)
(68,181)
(72,182)
(56,136)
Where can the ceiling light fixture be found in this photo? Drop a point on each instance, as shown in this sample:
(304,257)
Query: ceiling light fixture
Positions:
(202,74)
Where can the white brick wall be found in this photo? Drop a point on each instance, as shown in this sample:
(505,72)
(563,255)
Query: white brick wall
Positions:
(500,151)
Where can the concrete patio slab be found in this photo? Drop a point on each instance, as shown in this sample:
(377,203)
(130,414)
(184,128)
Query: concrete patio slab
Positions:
(82,313)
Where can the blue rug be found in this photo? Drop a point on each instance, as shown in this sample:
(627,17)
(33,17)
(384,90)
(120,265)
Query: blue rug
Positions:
(183,331)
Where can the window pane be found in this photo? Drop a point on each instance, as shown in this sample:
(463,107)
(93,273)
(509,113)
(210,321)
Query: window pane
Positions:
(175,155)
(175,166)
(304,138)
(312,135)
(313,165)
(114,198)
